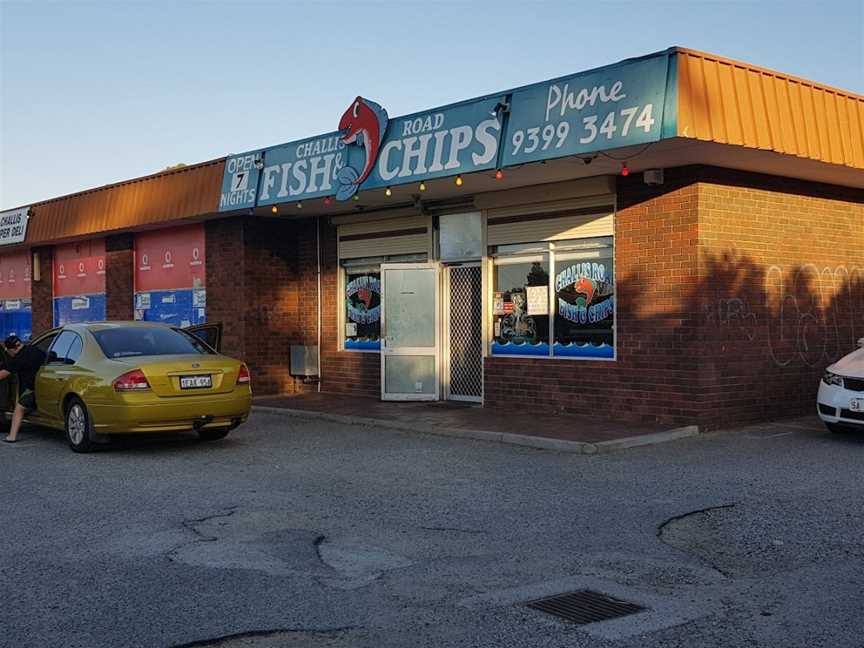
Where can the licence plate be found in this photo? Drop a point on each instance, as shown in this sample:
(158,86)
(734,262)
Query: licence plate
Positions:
(195,382)
(856,405)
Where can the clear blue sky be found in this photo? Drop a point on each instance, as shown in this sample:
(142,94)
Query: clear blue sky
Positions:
(96,92)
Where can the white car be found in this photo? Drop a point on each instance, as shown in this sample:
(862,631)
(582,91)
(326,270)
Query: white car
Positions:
(840,402)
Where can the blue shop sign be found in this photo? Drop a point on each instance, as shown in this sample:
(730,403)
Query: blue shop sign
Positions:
(240,181)
(607,108)
(445,142)
(611,107)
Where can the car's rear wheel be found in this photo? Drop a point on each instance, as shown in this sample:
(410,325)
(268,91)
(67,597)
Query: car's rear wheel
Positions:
(78,426)
(213,435)
(836,428)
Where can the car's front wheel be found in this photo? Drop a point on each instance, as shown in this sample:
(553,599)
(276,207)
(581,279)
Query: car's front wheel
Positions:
(213,435)
(78,426)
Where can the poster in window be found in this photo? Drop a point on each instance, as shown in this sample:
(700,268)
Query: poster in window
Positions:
(584,308)
(363,309)
(538,300)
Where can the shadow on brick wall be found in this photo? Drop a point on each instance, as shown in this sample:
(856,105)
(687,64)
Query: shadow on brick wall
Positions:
(766,333)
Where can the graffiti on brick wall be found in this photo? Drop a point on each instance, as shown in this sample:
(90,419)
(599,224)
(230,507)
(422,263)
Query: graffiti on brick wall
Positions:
(733,314)
(819,313)
(806,315)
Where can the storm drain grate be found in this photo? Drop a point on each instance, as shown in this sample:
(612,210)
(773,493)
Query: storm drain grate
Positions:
(585,606)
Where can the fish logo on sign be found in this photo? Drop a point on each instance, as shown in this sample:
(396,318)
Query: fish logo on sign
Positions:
(364,124)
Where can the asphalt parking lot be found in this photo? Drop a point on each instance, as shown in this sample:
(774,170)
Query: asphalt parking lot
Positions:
(294,532)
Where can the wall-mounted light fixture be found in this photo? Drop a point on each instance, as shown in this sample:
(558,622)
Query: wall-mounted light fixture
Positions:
(36,271)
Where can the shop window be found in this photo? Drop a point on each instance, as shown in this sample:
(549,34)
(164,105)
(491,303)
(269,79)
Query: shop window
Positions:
(362,300)
(584,303)
(520,304)
(577,321)
(363,308)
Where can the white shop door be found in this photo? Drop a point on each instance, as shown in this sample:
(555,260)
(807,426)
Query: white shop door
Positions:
(409,331)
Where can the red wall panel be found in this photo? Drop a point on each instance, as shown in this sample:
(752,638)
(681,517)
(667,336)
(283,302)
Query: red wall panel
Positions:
(15,276)
(79,268)
(170,259)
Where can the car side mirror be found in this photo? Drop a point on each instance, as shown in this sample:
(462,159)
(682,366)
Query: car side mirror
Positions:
(52,357)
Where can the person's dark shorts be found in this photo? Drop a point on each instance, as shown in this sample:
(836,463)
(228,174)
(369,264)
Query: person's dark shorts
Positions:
(27,400)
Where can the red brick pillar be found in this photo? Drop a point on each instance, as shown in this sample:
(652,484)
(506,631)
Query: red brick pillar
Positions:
(42,290)
(120,277)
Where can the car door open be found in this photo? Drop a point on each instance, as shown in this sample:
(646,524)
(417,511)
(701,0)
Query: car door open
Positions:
(210,334)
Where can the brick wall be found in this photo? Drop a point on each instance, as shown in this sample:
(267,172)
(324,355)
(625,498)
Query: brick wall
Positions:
(225,259)
(42,292)
(734,292)
(281,302)
(120,277)
(262,285)
(653,378)
(782,291)
(268,301)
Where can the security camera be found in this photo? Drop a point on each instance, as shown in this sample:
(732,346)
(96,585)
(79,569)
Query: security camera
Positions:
(653,176)
(259,163)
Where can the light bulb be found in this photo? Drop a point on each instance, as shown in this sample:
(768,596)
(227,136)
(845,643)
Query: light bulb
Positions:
(274,209)
(388,192)
(422,186)
(499,174)
(459,180)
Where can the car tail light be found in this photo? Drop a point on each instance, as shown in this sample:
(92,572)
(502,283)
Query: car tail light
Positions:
(134,380)
(243,378)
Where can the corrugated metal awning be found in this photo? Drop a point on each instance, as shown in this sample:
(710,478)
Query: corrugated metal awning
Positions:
(729,102)
(168,196)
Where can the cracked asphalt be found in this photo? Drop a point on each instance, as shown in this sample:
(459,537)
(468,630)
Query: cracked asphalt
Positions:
(297,533)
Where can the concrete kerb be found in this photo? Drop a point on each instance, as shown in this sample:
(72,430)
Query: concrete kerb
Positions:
(542,443)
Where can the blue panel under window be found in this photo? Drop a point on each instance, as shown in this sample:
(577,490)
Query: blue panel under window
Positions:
(80,308)
(587,350)
(509,348)
(178,307)
(16,318)
(362,344)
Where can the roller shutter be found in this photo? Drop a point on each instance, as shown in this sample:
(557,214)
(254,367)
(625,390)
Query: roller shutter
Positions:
(552,221)
(390,237)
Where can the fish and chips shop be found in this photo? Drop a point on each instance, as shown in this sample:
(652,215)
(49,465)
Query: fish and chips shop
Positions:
(672,238)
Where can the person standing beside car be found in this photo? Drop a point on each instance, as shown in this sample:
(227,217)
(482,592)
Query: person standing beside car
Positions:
(24,361)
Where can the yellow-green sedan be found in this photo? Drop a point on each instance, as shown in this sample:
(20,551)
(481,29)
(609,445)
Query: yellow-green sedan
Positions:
(112,378)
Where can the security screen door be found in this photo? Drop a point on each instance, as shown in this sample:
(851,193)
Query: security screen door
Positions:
(463,338)
(409,331)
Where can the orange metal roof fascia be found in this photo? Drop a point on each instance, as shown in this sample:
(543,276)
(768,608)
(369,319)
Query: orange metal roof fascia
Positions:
(729,102)
(168,196)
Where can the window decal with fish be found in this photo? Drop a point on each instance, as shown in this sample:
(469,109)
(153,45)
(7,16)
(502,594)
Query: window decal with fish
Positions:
(363,309)
(584,309)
